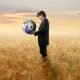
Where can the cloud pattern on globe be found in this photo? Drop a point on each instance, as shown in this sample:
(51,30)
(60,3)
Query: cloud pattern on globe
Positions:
(29,26)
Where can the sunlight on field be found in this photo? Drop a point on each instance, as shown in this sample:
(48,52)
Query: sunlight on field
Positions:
(60,23)
(19,52)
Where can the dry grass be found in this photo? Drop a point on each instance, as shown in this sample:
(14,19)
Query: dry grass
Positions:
(20,59)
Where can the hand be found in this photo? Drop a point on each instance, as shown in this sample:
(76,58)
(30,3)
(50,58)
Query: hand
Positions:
(32,32)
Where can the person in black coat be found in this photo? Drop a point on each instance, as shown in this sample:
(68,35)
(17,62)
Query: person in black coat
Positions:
(43,33)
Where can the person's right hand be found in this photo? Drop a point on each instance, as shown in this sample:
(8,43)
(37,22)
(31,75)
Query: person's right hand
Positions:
(33,32)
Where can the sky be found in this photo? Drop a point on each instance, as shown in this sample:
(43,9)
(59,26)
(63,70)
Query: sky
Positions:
(65,21)
(36,5)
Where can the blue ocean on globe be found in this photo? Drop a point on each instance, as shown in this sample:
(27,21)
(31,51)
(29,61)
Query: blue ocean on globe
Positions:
(26,30)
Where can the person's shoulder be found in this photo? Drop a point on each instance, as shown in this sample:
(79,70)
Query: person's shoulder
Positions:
(45,20)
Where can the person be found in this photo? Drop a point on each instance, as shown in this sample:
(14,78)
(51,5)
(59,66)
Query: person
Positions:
(43,33)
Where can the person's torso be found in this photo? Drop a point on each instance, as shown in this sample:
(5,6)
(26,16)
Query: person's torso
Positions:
(44,37)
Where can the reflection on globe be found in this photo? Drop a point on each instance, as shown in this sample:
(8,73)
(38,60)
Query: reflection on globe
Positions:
(29,26)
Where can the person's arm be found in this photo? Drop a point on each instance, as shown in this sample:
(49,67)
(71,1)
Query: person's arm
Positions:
(43,28)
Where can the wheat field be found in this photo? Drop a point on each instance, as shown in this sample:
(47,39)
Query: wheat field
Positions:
(20,59)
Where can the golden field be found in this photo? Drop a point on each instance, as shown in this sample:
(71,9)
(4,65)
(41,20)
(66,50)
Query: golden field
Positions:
(20,59)
(19,53)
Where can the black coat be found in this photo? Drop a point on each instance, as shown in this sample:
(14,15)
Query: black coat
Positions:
(43,32)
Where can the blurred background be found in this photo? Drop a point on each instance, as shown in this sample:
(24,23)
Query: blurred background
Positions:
(64,16)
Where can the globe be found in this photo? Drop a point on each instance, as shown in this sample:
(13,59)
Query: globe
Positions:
(29,26)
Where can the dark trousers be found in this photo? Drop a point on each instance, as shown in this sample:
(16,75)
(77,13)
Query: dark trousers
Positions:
(43,50)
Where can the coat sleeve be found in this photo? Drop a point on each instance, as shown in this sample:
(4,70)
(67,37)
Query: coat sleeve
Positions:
(43,28)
